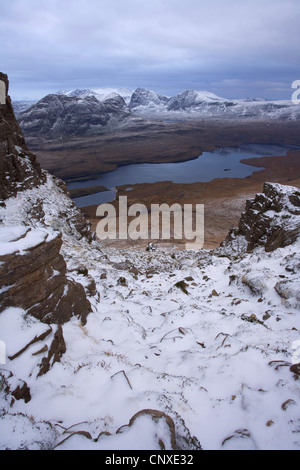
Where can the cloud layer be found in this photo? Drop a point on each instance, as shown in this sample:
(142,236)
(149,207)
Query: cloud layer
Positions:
(233,48)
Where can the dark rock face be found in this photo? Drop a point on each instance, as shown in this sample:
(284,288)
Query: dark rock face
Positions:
(36,281)
(61,116)
(271,219)
(32,270)
(143,97)
(17,164)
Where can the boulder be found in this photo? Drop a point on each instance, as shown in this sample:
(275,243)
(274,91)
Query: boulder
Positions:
(33,276)
(271,219)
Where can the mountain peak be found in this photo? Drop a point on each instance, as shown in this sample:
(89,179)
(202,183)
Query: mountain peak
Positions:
(144,97)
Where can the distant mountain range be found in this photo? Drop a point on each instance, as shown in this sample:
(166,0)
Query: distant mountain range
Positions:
(86,112)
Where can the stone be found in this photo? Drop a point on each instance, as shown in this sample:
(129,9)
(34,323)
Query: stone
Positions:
(36,281)
(295,368)
(271,219)
(22,393)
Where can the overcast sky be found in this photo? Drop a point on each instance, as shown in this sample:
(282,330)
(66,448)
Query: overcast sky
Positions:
(234,48)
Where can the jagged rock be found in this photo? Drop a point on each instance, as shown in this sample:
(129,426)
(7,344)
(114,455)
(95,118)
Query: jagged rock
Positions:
(33,276)
(32,270)
(271,219)
(19,168)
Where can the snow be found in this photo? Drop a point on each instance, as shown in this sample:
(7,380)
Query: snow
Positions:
(216,360)
(19,239)
(101,94)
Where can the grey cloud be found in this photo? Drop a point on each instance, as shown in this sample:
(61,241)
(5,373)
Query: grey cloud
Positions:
(166,44)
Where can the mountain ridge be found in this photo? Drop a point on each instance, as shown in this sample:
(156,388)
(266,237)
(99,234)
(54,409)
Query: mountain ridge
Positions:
(87,112)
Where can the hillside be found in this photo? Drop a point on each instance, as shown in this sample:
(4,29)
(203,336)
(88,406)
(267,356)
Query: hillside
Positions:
(160,349)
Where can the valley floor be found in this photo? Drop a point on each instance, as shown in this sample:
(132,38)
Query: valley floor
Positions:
(202,337)
(224,199)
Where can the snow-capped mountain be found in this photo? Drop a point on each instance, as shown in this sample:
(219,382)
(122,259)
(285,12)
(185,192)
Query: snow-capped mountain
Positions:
(101,94)
(192,104)
(57,116)
(85,112)
(193,99)
(147,98)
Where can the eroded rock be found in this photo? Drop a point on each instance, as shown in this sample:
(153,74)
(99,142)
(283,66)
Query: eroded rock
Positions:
(33,276)
(271,219)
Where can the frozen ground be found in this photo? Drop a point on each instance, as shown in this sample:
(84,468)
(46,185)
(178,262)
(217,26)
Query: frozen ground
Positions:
(199,337)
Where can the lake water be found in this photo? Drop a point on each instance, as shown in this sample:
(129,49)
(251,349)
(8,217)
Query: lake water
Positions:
(221,163)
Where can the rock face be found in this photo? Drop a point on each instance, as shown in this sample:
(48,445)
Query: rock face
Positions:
(33,272)
(271,219)
(33,276)
(19,168)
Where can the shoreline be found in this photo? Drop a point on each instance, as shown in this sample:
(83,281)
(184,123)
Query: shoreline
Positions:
(78,158)
(224,198)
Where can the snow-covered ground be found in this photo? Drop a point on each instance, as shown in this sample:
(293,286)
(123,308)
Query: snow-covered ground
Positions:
(200,337)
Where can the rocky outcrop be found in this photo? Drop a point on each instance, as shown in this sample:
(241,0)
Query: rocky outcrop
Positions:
(33,276)
(271,219)
(33,272)
(19,168)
